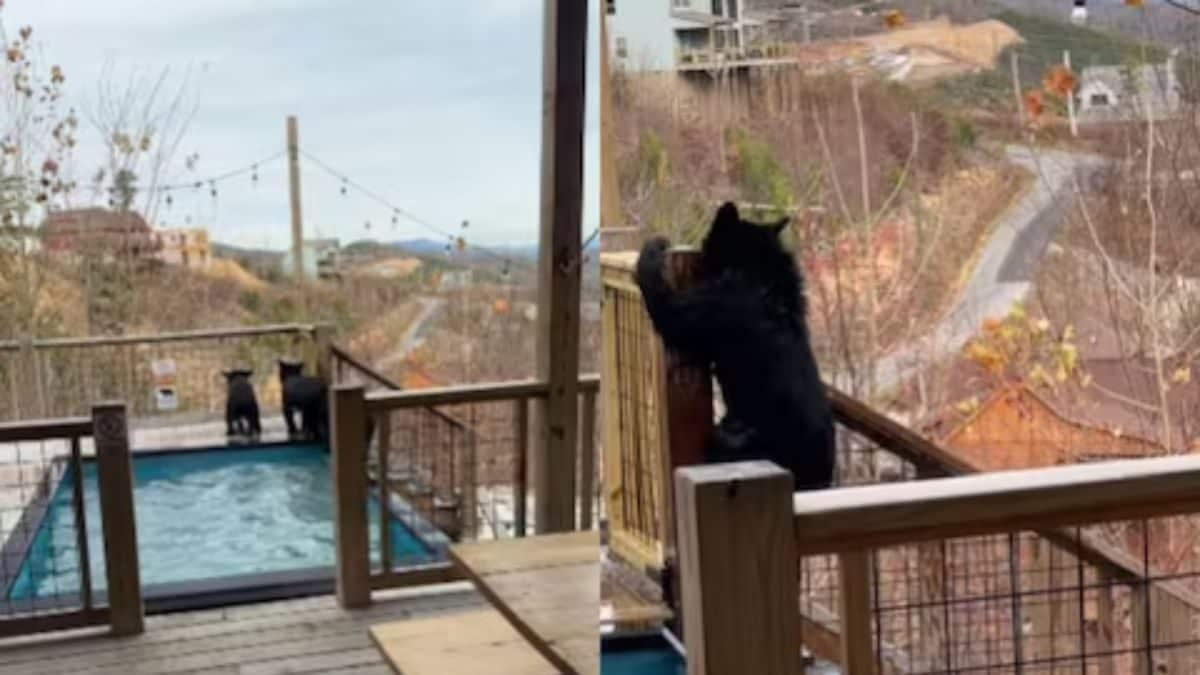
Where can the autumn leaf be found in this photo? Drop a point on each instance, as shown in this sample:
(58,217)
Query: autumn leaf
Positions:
(987,357)
(1017,313)
(26,33)
(1040,326)
(1060,81)
(14,55)
(56,75)
(1134,3)
(1035,105)
(1068,356)
(1039,376)
(1182,376)
(894,19)
(992,325)
(968,406)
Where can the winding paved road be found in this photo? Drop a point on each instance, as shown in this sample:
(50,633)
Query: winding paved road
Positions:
(1005,270)
(412,335)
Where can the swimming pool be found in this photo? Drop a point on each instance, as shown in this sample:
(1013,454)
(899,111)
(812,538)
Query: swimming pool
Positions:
(651,653)
(213,521)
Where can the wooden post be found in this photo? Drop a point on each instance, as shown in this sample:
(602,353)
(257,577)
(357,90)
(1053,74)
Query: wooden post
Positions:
(610,190)
(587,459)
(293,149)
(115,481)
(1070,98)
(738,569)
(383,422)
(560,260)
(687,421)
(323,352)
(520,466)
(349,413)
(858,648)
(1016,79)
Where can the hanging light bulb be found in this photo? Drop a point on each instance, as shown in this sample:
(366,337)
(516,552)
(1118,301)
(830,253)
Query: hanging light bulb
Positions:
(343,187)
(212,189)
(254,175)
(367,224)
(466,224)
(170,200)
(1079,13)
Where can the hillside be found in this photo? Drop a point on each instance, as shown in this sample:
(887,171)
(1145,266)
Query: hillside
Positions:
(1046,39)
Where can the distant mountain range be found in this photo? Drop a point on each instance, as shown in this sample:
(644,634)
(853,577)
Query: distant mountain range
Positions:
(421,248)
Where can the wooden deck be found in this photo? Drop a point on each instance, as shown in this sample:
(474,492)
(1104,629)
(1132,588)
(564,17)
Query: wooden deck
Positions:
(298,636)
(548,587)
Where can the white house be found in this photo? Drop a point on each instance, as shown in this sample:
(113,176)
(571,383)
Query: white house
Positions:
(1108,93)
(320,259)
(662,35)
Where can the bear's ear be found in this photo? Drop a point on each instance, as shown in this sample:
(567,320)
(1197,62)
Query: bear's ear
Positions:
(779,226)
(727,217)
(227,374)
(248,373)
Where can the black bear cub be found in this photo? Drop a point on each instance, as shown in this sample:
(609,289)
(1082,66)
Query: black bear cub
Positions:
(746,318)
(241,405)
(306,396)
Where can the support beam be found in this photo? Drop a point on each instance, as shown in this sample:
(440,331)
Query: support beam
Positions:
(560,260)
(115,480)
(349,413)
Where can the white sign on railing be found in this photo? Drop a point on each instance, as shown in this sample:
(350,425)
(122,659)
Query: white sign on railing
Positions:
(166,397)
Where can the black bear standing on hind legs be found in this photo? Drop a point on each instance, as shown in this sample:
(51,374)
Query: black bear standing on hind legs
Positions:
(746,318)
(241,405)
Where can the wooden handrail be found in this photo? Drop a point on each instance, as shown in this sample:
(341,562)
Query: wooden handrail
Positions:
(158,338)
(41,430)
(873,516)
(384,401)
(363,368)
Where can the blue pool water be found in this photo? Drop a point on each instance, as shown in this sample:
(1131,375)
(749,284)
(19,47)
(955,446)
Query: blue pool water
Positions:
(649,661)
(208,515)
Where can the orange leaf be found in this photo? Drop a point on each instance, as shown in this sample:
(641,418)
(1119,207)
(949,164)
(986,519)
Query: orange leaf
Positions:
(1060,81)
(894,19)
(1134,3)
(1035,105)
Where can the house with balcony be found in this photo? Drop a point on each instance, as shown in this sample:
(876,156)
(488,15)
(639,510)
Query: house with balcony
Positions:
(688,35)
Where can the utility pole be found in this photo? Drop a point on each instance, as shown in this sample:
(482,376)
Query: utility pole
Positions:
(1016,78)
(293,149)
(1070,98)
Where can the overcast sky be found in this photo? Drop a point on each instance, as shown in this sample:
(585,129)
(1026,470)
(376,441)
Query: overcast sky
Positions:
(434,105)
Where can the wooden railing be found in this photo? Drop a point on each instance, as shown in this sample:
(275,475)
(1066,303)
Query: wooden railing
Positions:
(477,435)
(36,457)
(63,376)
(741,531)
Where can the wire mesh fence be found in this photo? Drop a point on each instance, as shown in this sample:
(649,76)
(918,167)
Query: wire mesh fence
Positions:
(51,540)
(1020,603)
(56,378)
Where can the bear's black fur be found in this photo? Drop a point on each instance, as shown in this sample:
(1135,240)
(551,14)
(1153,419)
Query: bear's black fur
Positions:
(241,405)
(746,317)
(307,396)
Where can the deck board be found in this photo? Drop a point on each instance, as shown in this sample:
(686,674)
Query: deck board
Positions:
(548,587)
(311,635)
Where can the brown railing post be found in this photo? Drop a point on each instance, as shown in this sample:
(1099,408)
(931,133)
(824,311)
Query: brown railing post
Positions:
(521,466)
(858,649)
(323,351)
(349,421)
(383,426)
(587,459)
(686,418)
(738,567)
(115,471)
